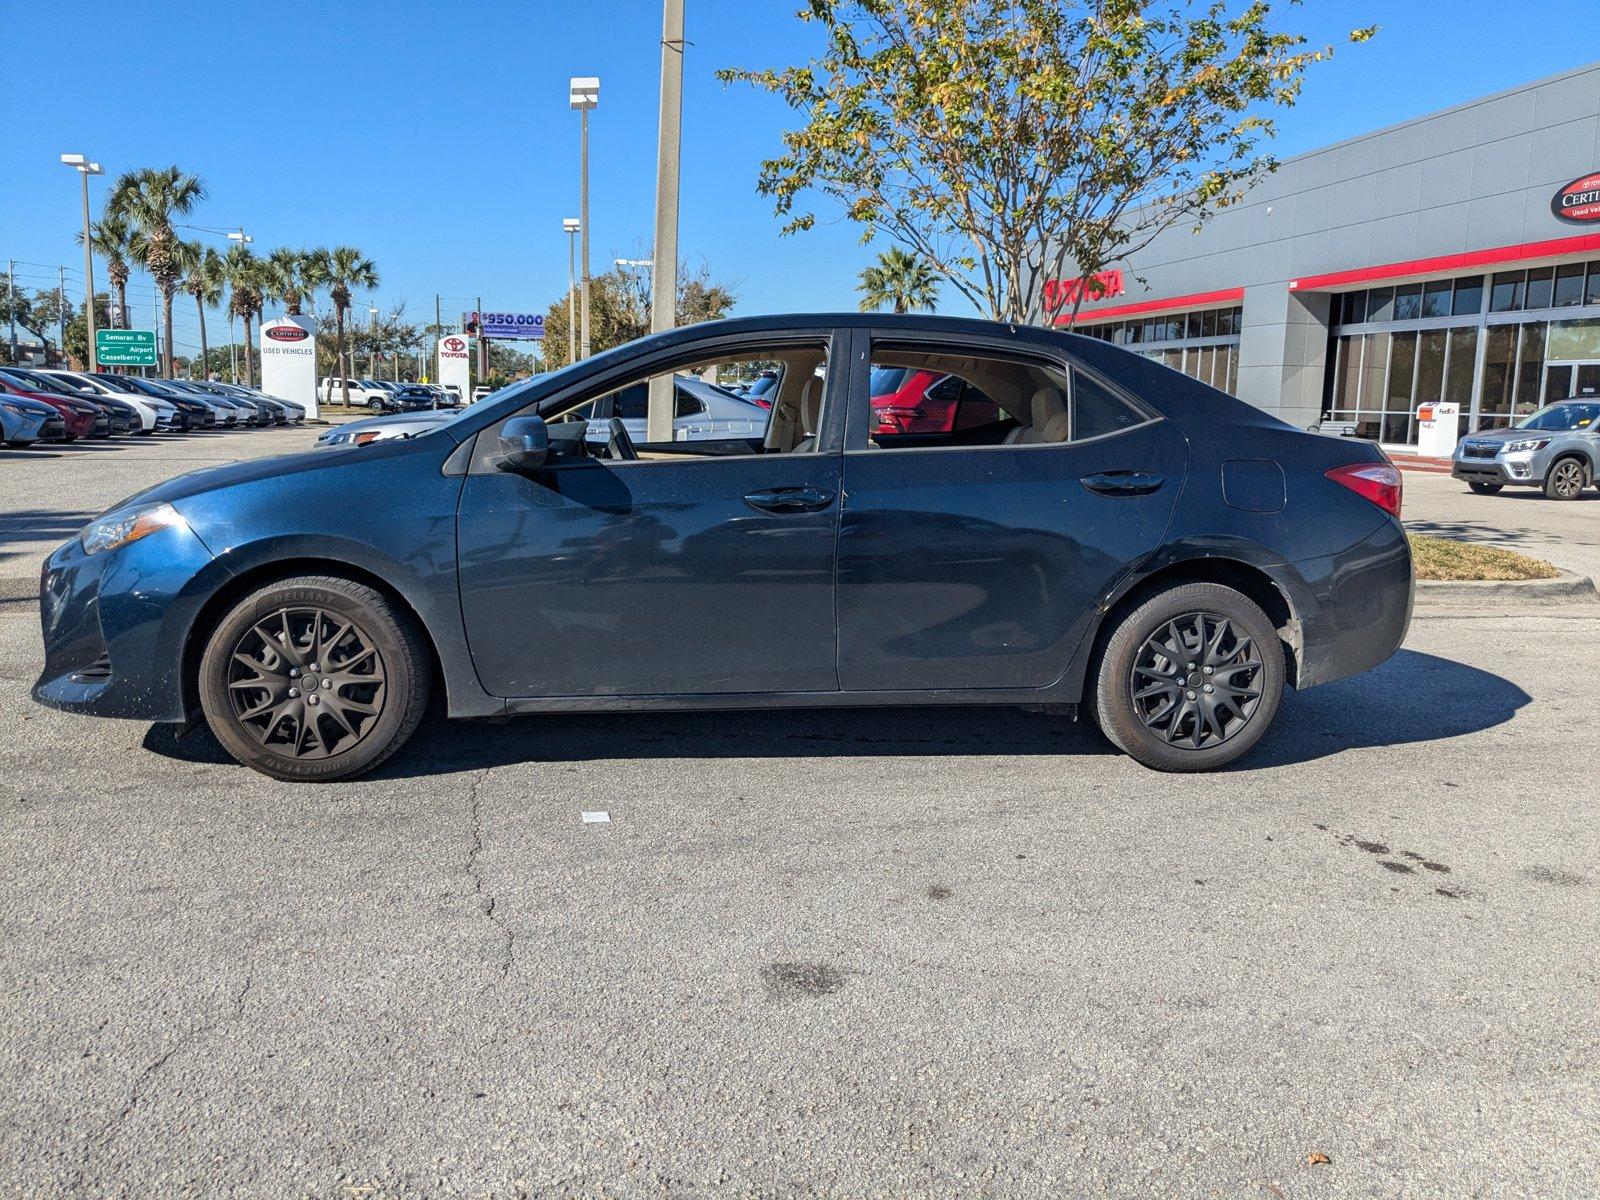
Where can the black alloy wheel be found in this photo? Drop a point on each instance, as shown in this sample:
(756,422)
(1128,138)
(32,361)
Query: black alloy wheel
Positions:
(314,679)
(1195,681)
(1190,679)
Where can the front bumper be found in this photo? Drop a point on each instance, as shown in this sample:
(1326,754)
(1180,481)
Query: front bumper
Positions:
(1524,467)
(114,625)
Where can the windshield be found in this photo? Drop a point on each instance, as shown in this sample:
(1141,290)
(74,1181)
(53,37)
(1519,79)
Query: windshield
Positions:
(1559,417)
(44,383)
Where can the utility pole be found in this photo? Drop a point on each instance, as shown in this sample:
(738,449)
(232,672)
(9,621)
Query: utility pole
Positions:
(11,302)
(438,332)
(483,342)
(571,225)
(664,279)
(61,311)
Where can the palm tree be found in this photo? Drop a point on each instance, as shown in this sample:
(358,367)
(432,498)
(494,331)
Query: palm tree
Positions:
(110,237)
(242,270)
(901,280)
(342,269)
(204,275)
(149,199)
(291,275)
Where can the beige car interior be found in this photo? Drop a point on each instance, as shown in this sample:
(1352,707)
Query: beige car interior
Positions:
(1033,396)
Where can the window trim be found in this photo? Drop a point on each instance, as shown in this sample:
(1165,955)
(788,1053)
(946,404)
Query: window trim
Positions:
(860,412)
(834,343)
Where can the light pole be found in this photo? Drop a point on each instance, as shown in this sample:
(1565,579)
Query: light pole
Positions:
(571,225)
(584,94)
(664,293)
(85,168)
(372,356)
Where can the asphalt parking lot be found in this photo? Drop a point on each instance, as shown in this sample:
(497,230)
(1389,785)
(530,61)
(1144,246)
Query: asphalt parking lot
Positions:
(897,953)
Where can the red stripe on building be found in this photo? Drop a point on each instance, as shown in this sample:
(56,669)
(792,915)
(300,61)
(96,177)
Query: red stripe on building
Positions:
(1198,300)
(1586,243)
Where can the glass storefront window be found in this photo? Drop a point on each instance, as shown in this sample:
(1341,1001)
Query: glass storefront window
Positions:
(1574,340)
(1430,366)
(1499,368)
(1468,298)
(1402,368)
(1436,299)
(1591,294)
(1194,324)
(1355,307)
(1380,304)
(1374,361)
(1569,285)
(1539,283)
(1458,372)
(1530,368)
(1408,302)
(1506,295)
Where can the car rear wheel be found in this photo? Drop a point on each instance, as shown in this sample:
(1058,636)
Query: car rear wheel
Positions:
(314,679)
(1566,480)
(1191,679)
(1485,489)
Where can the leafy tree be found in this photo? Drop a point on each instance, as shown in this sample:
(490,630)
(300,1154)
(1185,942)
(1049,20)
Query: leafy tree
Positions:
(619,308)
(342,269)
(292,275)
(149,199)
(111,237)
(900,281)
(1001,139)
(204,276)
(242,271)
(76,345)
(37,314)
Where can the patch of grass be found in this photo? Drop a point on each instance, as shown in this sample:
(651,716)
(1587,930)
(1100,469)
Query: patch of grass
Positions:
(1441,558)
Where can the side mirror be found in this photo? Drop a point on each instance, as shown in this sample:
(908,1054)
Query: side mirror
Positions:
(524,444)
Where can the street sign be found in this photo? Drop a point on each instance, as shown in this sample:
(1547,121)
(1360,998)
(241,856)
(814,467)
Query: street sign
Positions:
(125,347)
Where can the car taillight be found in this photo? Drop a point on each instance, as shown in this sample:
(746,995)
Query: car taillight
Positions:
(1378,482)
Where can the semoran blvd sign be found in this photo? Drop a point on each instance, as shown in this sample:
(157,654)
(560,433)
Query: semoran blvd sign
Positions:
(125,347)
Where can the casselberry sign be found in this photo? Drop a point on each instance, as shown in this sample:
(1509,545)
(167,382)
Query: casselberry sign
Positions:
(517,327)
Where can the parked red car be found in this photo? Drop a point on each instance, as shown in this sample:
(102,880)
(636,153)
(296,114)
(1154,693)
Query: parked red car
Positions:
(910,401)
(82,419)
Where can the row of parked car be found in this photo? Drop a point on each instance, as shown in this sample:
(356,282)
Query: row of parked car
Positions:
(51,405)
(387,396)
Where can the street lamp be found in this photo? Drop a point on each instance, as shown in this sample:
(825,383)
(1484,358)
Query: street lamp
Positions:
(372,357)
(85,168)
(571,225)
(583,94)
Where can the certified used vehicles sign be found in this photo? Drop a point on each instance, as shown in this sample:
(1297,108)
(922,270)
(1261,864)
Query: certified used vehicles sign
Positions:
(1578,203)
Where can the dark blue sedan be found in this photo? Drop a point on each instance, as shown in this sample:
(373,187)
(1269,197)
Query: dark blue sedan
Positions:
(1094,531)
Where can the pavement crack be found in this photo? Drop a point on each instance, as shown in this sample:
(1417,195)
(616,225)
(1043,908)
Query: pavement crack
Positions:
(488,903)
(144,1080)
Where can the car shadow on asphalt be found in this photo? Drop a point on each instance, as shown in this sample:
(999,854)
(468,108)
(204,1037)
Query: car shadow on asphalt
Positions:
(1411,698)
(33,525)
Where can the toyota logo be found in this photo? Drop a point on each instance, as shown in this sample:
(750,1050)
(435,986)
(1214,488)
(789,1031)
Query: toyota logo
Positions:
(454,344)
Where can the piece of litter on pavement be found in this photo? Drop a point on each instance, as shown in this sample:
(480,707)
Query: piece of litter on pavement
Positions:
(597,818)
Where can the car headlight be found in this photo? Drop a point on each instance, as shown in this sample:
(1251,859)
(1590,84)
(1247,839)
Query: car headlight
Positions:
(15,409)
(1526,444)
(127,525)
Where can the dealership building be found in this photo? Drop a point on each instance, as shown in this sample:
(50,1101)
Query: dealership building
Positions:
(1454,258)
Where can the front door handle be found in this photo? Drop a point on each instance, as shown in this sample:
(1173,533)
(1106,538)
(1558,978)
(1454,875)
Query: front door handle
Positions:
(790,499)
(1123,483)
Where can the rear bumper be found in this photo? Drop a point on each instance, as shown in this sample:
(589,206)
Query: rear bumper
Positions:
(1354,607)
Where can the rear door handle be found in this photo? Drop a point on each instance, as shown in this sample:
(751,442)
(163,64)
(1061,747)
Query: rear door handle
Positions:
(1123,483)
(790,499)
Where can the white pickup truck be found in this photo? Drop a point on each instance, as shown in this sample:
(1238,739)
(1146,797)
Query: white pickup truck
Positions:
(362,391)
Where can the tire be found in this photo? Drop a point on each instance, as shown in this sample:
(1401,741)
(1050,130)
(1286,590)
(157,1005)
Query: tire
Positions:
(385,669)
(1566,479)
(1176,736)
(1485,489)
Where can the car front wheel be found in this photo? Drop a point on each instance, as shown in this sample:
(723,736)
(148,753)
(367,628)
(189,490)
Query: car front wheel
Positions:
(1485,489)
(314,679)
(1191,679)
(1566,479)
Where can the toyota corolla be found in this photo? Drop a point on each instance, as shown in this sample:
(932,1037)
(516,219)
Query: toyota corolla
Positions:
(1114,539)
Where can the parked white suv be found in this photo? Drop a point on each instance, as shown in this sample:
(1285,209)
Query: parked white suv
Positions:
(362,391)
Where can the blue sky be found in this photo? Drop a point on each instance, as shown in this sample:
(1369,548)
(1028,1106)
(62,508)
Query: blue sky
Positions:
(436,135)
